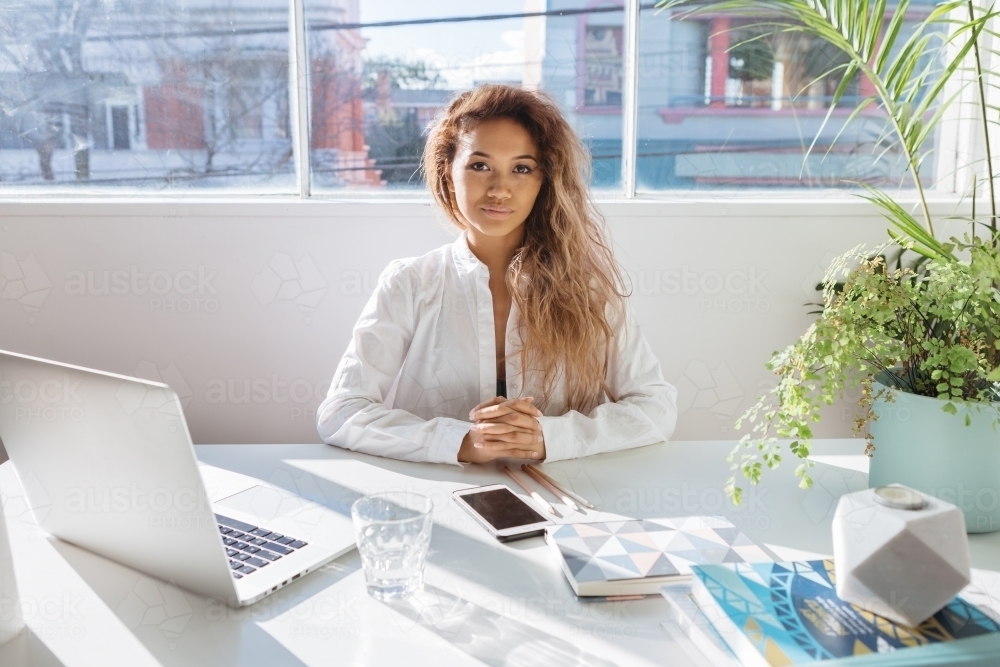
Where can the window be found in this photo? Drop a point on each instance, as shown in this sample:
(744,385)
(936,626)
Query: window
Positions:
(121,139)
(174,96)
(375,89)
(130,94)
(721,104)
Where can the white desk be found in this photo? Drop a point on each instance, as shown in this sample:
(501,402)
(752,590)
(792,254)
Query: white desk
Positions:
(485,602)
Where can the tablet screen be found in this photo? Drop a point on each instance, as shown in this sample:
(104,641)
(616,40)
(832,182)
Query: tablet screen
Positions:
(501,508)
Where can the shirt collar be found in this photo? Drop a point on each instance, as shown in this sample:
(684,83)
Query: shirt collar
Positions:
(465,261)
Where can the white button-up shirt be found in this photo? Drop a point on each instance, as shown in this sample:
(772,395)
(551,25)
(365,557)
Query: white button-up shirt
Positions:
(423,354)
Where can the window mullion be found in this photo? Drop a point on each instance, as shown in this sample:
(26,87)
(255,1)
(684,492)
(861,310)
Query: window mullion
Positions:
(299,75)
(630,95)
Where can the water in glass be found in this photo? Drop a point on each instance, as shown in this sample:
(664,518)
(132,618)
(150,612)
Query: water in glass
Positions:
(393,531)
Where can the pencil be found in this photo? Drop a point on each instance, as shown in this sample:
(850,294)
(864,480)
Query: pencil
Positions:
(548,485)
(530,491)
(569,492)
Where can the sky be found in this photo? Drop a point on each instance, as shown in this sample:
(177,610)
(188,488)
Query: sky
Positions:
(463,52)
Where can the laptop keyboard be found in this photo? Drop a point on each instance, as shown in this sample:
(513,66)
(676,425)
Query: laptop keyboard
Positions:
(250,547)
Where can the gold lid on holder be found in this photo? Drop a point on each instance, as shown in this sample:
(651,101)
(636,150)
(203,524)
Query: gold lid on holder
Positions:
(900,498)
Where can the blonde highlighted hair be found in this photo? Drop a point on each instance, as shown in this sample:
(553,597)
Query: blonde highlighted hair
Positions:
(563,279)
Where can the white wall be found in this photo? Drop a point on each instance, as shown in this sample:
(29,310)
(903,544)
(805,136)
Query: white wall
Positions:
(720,284)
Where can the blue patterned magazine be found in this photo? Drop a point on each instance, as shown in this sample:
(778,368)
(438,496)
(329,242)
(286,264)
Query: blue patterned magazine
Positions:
(773,614)
(637,556)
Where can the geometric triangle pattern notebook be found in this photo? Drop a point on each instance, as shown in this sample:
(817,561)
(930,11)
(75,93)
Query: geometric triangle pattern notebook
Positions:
(648,548)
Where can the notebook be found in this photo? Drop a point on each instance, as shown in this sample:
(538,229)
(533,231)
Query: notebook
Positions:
(687,617)
(773,614)
(637,556)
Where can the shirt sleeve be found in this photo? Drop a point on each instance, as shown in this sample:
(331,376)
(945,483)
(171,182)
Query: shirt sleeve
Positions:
(354,415)
(645,412)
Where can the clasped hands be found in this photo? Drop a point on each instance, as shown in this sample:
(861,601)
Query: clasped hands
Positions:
(503,428)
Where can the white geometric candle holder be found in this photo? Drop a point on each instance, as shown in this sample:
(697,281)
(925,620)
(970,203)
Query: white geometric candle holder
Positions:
(898,553)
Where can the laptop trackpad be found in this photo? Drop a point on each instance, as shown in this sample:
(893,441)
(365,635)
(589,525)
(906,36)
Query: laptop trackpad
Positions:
(291,514)
(268,503)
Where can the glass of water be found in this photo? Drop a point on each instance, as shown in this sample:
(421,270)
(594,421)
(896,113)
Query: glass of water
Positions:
(394,532)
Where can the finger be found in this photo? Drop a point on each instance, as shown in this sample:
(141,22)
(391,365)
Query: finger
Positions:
(490,401)
(495,400)
(518,454)
(513,453)
(532,426)
(525,452)
(525,406)
(491,429)
(529,439)
(514,419)
(519,437)
(507,407)
(490,412)
(485,453)
(498,427)
(492,442)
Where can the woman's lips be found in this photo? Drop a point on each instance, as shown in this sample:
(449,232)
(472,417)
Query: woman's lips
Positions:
(497,212)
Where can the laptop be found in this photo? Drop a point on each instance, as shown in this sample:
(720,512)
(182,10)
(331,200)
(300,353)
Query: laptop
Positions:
(107,464)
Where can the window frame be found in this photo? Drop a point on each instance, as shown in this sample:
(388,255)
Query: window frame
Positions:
(958,145)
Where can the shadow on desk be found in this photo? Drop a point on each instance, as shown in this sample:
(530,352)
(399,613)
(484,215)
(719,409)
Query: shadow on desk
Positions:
(519,586)
(182,628)
(27,649)
(487,636)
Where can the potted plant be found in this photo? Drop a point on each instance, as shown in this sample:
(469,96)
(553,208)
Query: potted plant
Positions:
(920,338)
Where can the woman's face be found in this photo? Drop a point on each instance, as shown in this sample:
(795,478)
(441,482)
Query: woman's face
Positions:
(495,177)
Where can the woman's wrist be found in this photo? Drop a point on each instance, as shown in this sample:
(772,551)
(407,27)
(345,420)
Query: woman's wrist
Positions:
(464,448)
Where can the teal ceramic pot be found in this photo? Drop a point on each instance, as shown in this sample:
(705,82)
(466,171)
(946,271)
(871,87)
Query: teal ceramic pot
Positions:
(921,446)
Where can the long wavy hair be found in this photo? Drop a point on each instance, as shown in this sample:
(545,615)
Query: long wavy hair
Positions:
(563,279)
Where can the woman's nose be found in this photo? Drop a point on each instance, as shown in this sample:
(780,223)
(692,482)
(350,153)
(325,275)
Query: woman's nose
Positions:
(499,186)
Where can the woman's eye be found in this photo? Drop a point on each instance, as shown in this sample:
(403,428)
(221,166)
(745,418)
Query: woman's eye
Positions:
(478,166)
(523,169)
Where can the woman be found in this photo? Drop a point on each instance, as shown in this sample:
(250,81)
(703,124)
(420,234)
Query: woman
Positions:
(516,340)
